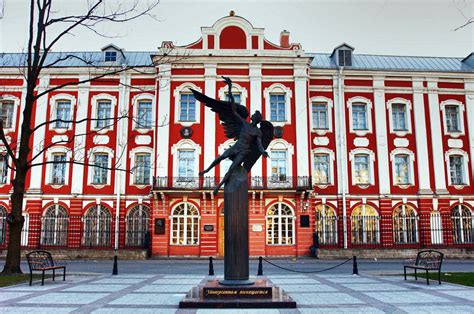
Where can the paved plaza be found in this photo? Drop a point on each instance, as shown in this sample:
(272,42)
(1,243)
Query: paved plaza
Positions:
(161,293)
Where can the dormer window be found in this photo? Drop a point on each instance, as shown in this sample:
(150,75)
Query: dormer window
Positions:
(344,57)
(111,56)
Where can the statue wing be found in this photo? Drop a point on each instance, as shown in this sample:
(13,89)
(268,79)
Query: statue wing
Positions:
(266,128)
(232,125)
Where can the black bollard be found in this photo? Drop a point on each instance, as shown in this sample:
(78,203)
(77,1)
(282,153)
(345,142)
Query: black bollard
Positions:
(355,269)
(260,267)
(211,267)
(115,270)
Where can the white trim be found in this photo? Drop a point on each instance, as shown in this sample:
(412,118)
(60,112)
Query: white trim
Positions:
(411,170)
(49,167)
(461,108)
(185,144)
(135,101)
(94,103)
(90,157)
(408,108)
(185,216)
(329,106)
(281,144)
(279,216)
(278,88)
(362,151)
(133,153)
(330,153)
(368,103)
(53,103)
(236,88)
(183,88)
(16,106)
(465,170)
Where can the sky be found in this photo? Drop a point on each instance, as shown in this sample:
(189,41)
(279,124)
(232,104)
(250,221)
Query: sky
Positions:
(389,27)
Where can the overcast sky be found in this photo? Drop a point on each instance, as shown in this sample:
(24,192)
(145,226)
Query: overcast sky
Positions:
(393,27)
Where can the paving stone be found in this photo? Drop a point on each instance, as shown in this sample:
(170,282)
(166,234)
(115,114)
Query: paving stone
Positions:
(436,309)
(373,287)
(406,297)
(239,311)
(119,280)
(97,288)
(125,310)
(35,288)
(324,298)
(66,298)
(4,296)
(164,288)
(465,294)
(282,281)
(307,288)
(36,310)
(148,299)
(194,281)
(352,279)
(337,310)
(184,276)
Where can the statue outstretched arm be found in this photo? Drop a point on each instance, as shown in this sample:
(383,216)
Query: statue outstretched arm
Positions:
(229,84)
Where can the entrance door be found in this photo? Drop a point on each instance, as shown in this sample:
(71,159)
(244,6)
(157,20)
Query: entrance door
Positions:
(221,236)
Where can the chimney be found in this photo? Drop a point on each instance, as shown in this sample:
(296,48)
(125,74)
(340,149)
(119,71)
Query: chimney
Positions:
(285,39)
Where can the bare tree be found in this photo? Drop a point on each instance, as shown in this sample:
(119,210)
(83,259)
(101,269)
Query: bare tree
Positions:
(44,20)
(462,6)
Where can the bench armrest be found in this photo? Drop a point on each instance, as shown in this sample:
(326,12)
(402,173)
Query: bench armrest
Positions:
(409,262)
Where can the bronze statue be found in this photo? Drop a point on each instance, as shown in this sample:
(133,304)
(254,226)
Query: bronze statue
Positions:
(251,140)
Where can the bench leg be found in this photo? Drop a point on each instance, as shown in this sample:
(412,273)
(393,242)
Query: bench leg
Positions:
(427,278)
(42,279)
(416,275)
(31,277)
(405,272)
(439,276)
(64,274)
(54,273)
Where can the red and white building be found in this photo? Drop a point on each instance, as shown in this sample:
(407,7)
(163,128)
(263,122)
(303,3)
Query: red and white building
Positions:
(371,151)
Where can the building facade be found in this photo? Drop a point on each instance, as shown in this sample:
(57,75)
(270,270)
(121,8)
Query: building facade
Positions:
(369,151)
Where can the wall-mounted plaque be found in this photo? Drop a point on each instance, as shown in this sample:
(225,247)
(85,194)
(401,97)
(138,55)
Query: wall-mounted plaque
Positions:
(159,226)
(208,227)
(257,228)
(186,132)
(304,221)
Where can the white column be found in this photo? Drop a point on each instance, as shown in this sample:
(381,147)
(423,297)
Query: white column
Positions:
(41,109)
(301,118)
(163,133)
(340,135)
(78,171)
(255,73)
(122,131)
(419,128)
(469,87)
(436,137)
(210,72)
(381,135)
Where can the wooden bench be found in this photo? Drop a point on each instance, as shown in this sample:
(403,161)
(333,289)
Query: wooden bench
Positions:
(43,261)
(426,260)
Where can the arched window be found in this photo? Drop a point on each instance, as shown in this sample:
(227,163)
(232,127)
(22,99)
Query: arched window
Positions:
(365,225)
(97,226)
(185,225)
(436,227)
(405,225)
(462,220)
(54,226)
(3,224)
(137,225)
(280,225)
(326,224)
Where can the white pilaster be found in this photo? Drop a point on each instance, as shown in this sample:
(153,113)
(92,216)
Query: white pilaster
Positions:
(210,72)
(436,137)
(469,87)
(122,131)
(422,159)
(163,115)
(255,73)
(78,171)
(41,109)
(301,118)
(381,135)
(340,135)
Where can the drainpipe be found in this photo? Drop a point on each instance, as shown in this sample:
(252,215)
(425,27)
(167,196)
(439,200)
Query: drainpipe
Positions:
(117,209)
(341,147)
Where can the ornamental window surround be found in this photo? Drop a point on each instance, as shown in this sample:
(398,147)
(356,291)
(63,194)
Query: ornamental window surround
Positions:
(453,117)
(8,112)
(62,109)
(239,93)
(137,225)
(362,166)
(399,110)
(323,166)
(185,163)
(97,227)
(278,104)
(326,224)
(142,168)
(143,112)
(100,163)
(360,113)
(405,225)
(403,170)
(457,167)
(103,112)
(57,166)
(321,115)
(54,226)
(184,221)
(187,109)
(279,166)
(280,225)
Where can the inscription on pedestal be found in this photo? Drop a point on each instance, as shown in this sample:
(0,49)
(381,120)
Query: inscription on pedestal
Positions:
(237,293)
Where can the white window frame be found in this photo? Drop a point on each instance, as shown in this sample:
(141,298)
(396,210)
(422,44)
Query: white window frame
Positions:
(3,151)
(49,166)
(91,159)
(16,106)
(330,153)
(135,101)
(279,216)
(53,104)
(329,106)
(184,88)
(186,203)
(408,108)
(185,144)
(236,88)
(368,103)
(465,162)
(95,103)
(461,108)
(281,144)
(278,88)
(411,170)
(362,151)
(221,149)
(133,154)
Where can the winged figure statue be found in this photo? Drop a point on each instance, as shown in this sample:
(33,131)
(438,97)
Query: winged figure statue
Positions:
(251,141)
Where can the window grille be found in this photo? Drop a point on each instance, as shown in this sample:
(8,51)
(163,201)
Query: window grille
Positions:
(365,225)
(462,222)
(110,56)
(405,225)
(137,225)
(280,225)
(326,224)
(97,227)
(436,227)
(54,226)
(3,224)
(185,225)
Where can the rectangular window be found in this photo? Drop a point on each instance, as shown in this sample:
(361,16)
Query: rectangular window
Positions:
(3,168)
(111,56)
(321,169)
(186,164)
(456,169)
(58,177)
(361,169)
(237,97)
(320,116)
(63,114)
(359,117)
(100,171)
(399,117)
(104,110)
(187,110)
(402,168)
(452,118)
(345,57)
(277,107)
(142,169)
(144,115)
(6,114)
(278,162)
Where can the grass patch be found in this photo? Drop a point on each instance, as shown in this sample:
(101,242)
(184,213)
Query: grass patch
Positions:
(11,280)
(465,279)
